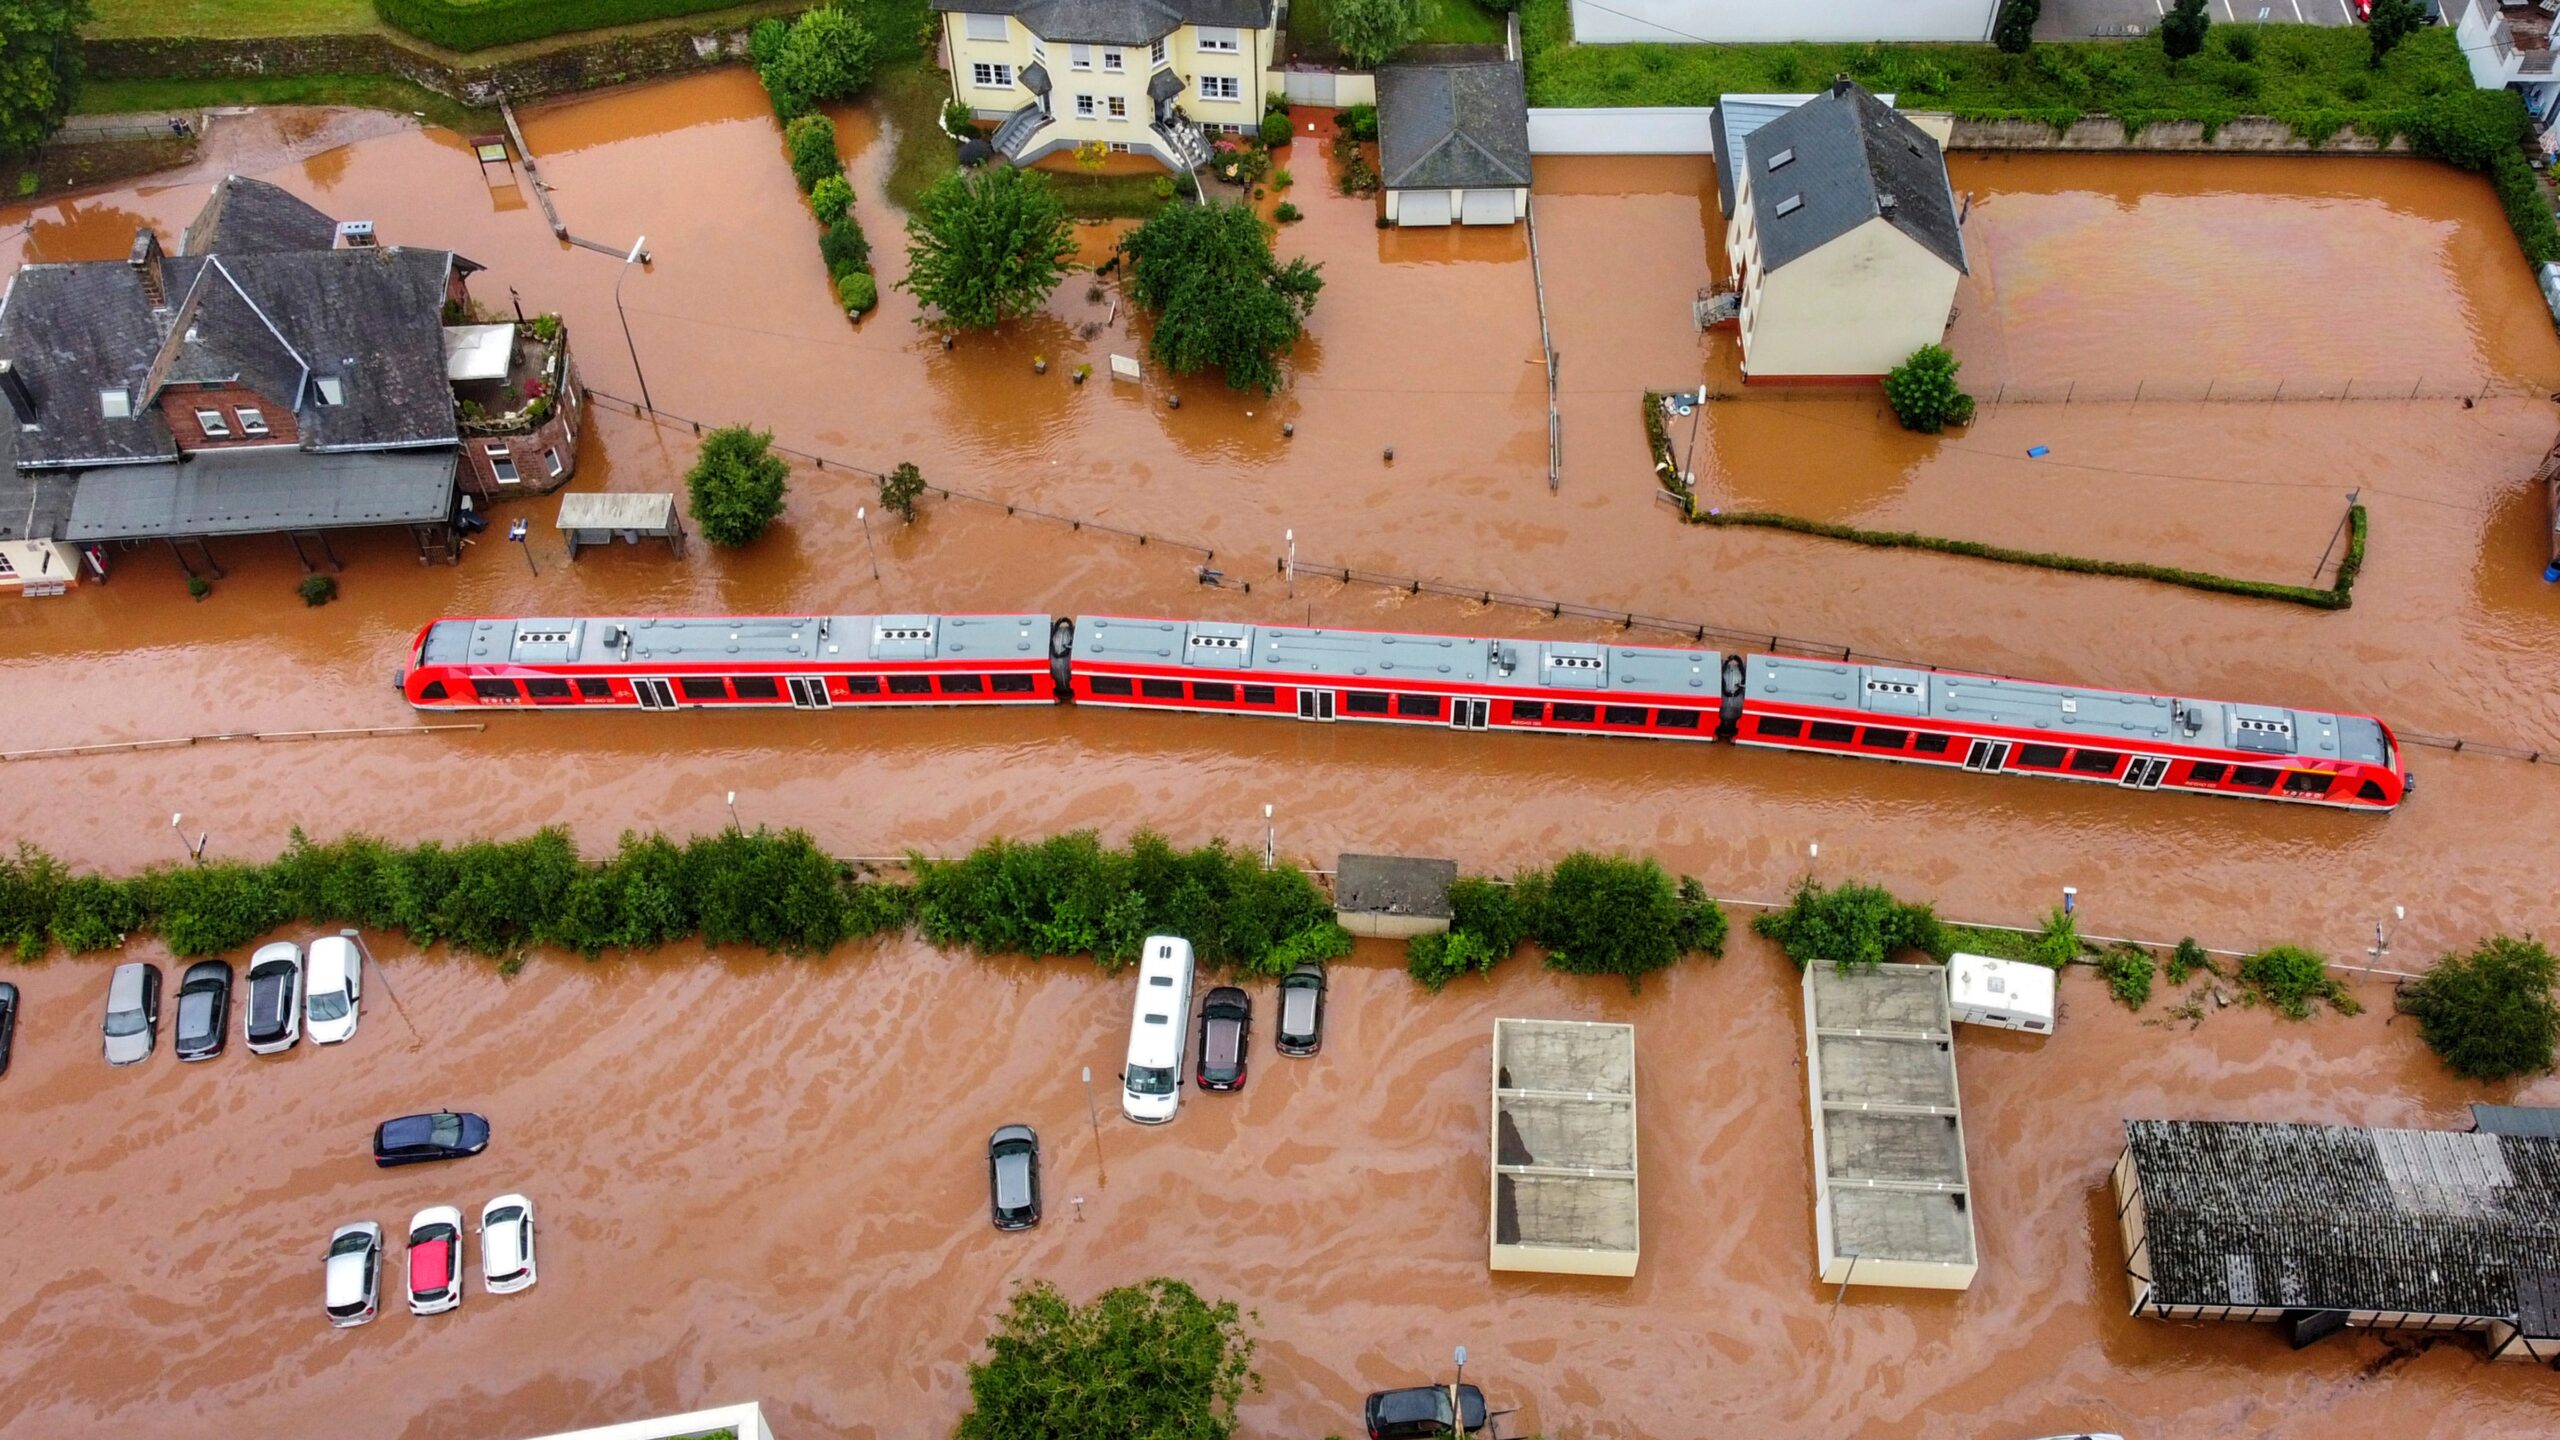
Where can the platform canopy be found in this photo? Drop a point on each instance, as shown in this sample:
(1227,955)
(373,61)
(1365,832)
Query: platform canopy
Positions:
(262,490)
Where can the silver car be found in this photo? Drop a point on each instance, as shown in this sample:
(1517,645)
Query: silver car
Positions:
(133,1013)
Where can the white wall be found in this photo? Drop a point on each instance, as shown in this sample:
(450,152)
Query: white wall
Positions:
(1665,130)
(1857,306)
(746,1419)
(1762,20)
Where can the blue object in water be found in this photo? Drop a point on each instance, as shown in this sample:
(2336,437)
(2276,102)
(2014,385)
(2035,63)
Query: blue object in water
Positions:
(2551,573)
(2037,452)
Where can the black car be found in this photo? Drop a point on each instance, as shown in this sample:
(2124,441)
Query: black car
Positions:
(440,1135)
(8,1022)
(1226,1032)
(1301,1029)
(1421,1411)
(1013,1177)
(204,1009)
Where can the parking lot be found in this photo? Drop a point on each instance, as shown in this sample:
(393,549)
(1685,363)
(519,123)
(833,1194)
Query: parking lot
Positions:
(2119,19)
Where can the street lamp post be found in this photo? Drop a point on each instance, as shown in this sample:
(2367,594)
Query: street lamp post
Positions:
(1270,836)
(637,250)
(2070,899)
(521,533)
(862,516)
(1289,567)
(1697,411)
(1457,1388)
(195,850)
(2381,945)
(732,802)
(1093,1117)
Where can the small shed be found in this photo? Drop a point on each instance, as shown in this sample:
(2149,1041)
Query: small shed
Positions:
(1564,1147)
(1453,143)
(2006,994)
(593,518)
(1393,897)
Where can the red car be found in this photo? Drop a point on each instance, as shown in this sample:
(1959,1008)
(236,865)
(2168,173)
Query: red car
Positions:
(435,1260)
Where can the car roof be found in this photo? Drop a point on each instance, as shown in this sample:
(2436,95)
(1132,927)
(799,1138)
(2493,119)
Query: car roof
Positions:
(124,991)
(206,970)
(328,961)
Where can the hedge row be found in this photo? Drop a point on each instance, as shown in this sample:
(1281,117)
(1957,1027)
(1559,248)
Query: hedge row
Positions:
(1592,914)
(484,24)
(2337,595)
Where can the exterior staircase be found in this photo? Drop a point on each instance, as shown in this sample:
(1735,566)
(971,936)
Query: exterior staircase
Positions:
(1015,134)
(1183,141)
(1715,307)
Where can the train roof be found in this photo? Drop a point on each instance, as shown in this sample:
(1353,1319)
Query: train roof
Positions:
(1571,667)
(751,639)
(2100,715)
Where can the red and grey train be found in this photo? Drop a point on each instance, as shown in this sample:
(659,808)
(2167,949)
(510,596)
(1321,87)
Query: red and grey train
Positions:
(1979,723)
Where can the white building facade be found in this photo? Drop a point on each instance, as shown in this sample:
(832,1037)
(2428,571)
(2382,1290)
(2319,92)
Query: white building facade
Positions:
(1745,21)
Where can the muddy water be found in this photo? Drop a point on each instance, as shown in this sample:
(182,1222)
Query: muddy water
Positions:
(1429,344)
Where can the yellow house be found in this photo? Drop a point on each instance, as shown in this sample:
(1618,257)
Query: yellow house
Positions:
(1844,241)
(1145,77)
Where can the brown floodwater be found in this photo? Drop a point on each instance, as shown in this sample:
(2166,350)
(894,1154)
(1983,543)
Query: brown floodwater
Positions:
(849,1295)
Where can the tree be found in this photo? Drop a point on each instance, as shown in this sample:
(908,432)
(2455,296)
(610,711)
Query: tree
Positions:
(987,246)
(2489,1014)
(39,68)
(2391,22)
(1221,299)
(1923,393)
(2014,30)
(900,489)
(1151,1360)
(1609,915)
(826,55)
(2182,29)
(737,485)
(1370,32)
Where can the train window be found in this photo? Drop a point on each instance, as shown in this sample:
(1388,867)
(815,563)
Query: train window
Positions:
(2094,762)
(2369,791)
(1676,719)
(1011,684)
(1261,695)
(2039,757)
(595,688)
(2206,772)
(1160,689)
(1930,744)
(964,684)
(756,687)
(494,689)
(432,690)
(910,684)
(1364,702)
(1572,714)
(1779,727)
(1875,739)
(1528,712)
(2306,782)
(862,684)
(546,689)
(1215,692)
(1836,734)
(1624,715)
(704,687)
(1426,706)
(2252,776)
(1111,685)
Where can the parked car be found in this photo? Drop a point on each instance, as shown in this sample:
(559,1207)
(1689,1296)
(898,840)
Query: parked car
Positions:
(353,1274)
(133,1013)
(272,1018)
(437,1135)
(435,1260)
(506,1245)
(1301,1027)
(1013,1177)
(8,1022)
(334,976)
(1226,1037)
(1420,1411)
(204,1010)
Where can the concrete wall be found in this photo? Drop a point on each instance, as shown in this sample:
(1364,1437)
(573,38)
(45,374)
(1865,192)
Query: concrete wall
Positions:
(1326,87)
(1677,21)
(1631,130)
(616,61)
(2249,135)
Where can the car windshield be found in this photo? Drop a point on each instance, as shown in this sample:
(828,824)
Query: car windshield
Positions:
(126,1022)
(351,1244)
(332,1006)
(1151,1080)
(503,1215)
(445,1130)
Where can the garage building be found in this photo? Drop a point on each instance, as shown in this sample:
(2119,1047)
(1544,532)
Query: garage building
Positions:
(1453,144)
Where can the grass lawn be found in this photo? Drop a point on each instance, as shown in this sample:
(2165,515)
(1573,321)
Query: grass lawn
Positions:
(120,19)
(911,96)
(379,92)
(1444,22)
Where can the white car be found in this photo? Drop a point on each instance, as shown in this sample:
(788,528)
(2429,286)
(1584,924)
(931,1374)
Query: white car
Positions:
(271,1020)
(435,1260)
(506,1245)
(353,1283)
(334,978)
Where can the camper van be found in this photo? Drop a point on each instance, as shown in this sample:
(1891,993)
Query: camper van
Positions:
(1159,1023)
(2008,994)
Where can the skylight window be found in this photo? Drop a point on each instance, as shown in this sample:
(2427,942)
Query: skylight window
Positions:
(1791,205)
(116,403)
(1782,159)
(333,391)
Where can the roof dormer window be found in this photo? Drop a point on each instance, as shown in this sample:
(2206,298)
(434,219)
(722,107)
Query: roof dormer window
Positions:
(116,403)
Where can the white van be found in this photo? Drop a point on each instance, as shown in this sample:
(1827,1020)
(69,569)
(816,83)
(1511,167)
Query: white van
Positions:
(1159,1025)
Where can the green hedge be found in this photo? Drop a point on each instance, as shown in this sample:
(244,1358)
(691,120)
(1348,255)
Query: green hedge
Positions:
(1592,914)
(485,24)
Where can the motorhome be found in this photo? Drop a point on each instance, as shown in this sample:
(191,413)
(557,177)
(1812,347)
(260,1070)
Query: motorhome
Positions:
(1159,1026)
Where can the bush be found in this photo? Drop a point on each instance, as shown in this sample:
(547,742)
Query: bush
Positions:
(1610,915)
(2488,1014)
(958,119)
(2014,29)
(857,293)
(737,485)
(765,41)
(831,199)
(1151,1359)
(1855,927)
(845,248)
(1435,960)
(1276,129)
(203,910)
(1922,390)
(811,142)
(900,489)
(827,55)
(1360,122)
(2292,979)
(2182,30)
(483,24)
(2240,42)
(2187,959)
(1370,32)
(1281,179)
(2128,969)
(1286,213)
(317,590)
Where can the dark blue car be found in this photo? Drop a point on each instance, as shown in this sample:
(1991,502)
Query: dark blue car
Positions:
(440,1135)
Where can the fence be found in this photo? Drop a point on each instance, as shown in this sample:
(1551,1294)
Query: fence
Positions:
(2193,390)
(1328,87)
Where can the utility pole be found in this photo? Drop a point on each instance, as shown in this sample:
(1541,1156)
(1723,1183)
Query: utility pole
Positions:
(862,516)
(638,253)
(520,532)
(364,956)
(1093,1117)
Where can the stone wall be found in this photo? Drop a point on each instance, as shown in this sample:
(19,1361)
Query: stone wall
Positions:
(2249,135)
(614,60)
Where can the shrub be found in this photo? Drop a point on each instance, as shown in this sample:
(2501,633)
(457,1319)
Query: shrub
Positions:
(1276,129)
(207,909)
(2292,979)
(1360,122)
(1151,1359)
(1286,213)
(317,590)
(900,489)
(1435,960)
(737,485)
(778,892)
(845,248)
(831,199)
(1923,393)
(811,142)
(2014,29)
(958,119)
(857,293)
(2488,1014)
(92,913)
(2187,959)
(2128,969)
(2240,42)
(198,587)
(1369,32)
(1610,915)
(765,40)
(1855,927)
(827,55)
(1281,179)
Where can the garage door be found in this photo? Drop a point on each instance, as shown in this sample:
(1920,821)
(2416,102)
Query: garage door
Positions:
(1485,207)
(1422,207)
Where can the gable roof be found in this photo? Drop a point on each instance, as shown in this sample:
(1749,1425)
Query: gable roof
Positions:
(1847,158)
(1118,22)
(1453,127)
(1731,124)
(252,217)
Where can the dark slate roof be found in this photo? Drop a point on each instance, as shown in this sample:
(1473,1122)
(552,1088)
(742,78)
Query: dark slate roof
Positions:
(2330,1217)
(1393,885)
(72,331)
(34,504)
(1118,22)
(1850,152)
(261,491)
(374,318)
(252,217)
(1453,127)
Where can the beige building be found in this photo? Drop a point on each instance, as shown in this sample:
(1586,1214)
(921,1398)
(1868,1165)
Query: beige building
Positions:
(1842,238)
(1144,77)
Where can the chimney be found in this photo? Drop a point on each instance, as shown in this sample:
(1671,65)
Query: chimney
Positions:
(145,261)
(355,235)
(21,399)
(1840,84)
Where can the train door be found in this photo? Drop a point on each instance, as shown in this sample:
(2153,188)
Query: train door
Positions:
(654,694)
(2145,773)
(809,692)
(1466,714)
(1987,755)
(1315,704)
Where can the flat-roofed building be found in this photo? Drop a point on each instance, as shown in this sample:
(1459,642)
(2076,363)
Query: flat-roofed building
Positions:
(1564,1147)
(1892,1204)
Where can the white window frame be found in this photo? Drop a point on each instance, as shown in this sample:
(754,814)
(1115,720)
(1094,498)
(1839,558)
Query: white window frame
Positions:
(1119,107)
(330,390)
(1218,40)
(1079,57)
(502,463)
(975,26)
(1084,107)
(1221,87)
(213,425)
(551,461)
(990,75)
(115,403)
(253,421)
(1158,56)
(1115,62)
